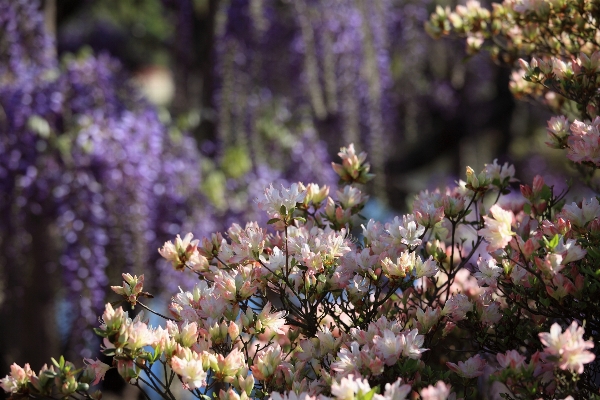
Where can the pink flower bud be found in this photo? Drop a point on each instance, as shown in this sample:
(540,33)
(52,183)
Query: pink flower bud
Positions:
(233,330)
(526,192)
(538,184)
(594,226)
(564,226)
(528,248)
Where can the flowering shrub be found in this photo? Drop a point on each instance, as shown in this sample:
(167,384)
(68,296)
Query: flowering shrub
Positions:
(304,309)
(559,41)
(475,292)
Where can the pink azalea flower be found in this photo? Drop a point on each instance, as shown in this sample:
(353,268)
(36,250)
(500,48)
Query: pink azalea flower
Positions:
(568,347)
(190,370)
(558,130)
(183,253)
(349,360)
(490,314)
(353,166)
(18,378)
(570,251)
(488,272)
(412,344)
(396,390)
(457,306)
(471,368)
(427,319)
(131,289)
(427,268)
(497,231)
(226,368)
(580,215)
(425,209)
(502,173)
(273,321)
(440,391)
(511,359)
(584,143)
(401,267)
(274,199)
(349,388)
(139,335)
(406,232)
(350,197)
(388,347)
(98,368)
(266,362)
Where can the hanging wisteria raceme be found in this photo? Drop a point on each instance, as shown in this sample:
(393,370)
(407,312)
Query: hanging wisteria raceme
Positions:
(83,156)
(358,71)
(244,191)
(324,61)
(25,50)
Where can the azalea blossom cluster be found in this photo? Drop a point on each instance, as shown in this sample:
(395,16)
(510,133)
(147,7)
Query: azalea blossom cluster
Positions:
(422,307)
(556,45)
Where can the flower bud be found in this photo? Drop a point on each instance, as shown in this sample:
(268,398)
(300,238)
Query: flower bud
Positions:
(233,330)
(527,192)
(127,369)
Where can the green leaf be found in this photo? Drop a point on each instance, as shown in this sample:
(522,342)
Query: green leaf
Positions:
(273,220)
(283,210)
(554,242)
(109,352)
(100,332)
(236,162)
(322,278)
(546,193)
(39,125)
(302,267)
(49,373)
(369,395)
(83,387)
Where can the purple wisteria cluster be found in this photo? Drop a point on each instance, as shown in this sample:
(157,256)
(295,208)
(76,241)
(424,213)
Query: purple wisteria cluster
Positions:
(327,62)
(355,71)
(85,158)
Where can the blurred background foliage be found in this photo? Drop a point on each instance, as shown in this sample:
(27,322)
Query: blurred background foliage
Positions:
(123,123)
